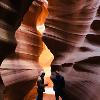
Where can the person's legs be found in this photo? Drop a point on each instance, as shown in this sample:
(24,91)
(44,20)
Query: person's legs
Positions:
(40,96)
(62,95)
(56,95)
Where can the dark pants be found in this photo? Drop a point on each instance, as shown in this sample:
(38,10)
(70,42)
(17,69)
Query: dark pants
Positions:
(40,96)
(56,95)
(59,93)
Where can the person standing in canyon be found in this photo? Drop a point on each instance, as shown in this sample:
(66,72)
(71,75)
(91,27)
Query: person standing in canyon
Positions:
(59,85)
(41,86)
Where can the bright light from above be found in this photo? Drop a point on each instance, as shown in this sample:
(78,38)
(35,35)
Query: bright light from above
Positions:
(41,28)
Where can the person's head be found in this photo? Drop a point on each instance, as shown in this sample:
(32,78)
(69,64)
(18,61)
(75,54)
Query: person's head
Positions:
(57,72)
(42,74)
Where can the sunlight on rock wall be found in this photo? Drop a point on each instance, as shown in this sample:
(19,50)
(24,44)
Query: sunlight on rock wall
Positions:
(45,60)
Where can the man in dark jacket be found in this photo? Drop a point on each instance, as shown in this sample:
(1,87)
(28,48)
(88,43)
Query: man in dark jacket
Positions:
(59,85)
